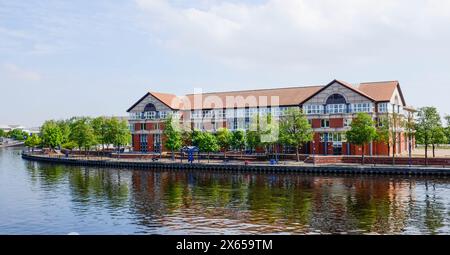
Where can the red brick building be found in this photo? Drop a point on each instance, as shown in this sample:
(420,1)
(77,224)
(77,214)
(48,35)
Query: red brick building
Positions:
(330,109)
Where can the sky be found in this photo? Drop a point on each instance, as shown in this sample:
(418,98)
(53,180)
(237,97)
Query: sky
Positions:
(88,58)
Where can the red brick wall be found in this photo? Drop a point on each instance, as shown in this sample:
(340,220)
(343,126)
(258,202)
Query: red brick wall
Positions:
(148,126)
(136,143)
(150,145)
(344,148)
(379,160)
(315,123)
(336,123)
(137,126)
(380,149)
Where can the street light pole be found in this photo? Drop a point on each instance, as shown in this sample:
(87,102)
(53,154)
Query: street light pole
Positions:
(314,152)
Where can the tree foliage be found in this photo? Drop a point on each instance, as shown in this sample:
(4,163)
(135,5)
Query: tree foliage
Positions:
(224,139)
(51,134)
(295,129)
(427,123)
(208,143)
(17,134)
(172,134)
(238,140)
(33,141)
(82,133)
(362,131)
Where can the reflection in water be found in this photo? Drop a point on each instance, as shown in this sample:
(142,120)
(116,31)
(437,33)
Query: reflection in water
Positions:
(44,198)
(262,203)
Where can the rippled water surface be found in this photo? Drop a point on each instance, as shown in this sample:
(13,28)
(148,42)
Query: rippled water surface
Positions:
(37,198)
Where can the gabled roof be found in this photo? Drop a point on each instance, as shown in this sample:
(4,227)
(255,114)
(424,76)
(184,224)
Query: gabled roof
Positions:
(343,83)
(374,91)
(165,98)
(382,91)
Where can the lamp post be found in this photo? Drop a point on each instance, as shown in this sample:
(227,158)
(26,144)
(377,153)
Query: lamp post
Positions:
(314,152)
(409,150)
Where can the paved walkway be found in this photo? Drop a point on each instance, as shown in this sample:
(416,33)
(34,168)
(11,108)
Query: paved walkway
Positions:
(230,162)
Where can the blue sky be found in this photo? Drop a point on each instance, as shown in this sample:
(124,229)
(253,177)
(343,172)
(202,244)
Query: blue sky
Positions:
(64,58)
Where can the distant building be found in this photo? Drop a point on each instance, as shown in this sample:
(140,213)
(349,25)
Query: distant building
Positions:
(329,108)
(8,128)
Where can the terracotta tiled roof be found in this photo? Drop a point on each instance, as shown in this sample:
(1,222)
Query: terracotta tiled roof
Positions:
(376,91)
(380,91)
(261,97)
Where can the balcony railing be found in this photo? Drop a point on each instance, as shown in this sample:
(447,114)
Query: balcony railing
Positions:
(151,115)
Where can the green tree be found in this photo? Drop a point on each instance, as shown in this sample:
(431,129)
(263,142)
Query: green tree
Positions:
(362,131)
(387,131)
(17,134)
(101,126)
(51,134)
(410,128)
(295,129)
(428,120)
(253,134)
(2,133)
(82,134)
(33,141)
(253,139)
(208,143)
(172,133)
(238,140)
(64,126)
(437,137)
(269,132)
(224,139)
(196,136)
(119,132)
(186,137)
(447,128)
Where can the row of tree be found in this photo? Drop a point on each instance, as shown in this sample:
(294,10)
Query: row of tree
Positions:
(293,130)
(15,134)
(425,126)
(83,133)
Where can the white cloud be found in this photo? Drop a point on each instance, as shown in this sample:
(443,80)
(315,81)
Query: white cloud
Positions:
(19,73)
(300,32)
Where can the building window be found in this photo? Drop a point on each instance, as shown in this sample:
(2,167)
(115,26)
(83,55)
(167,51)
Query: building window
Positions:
(362,107)
(131,126)
(156,126)
(347,122)
(207,114)
(157,142)
(197,114)
(143,143)
(336,99)
(149,115)
(163,115)
(325,123)
(219,114)
(313,109)
(142,126)
(198,125)
(135,115)
(382,107)
(240,113)
(336,108)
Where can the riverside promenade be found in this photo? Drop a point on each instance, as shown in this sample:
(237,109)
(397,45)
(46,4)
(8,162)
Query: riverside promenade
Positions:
(239,166)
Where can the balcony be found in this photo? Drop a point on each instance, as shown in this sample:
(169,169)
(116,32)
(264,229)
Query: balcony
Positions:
(152,115)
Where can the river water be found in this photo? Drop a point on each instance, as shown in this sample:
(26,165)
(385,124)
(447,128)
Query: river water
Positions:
(38,198)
